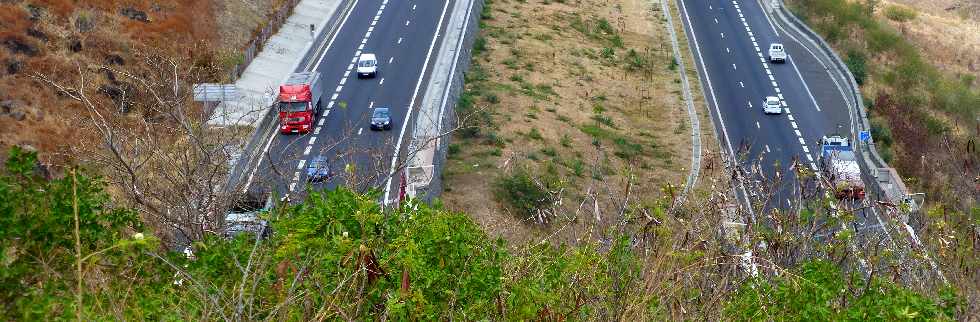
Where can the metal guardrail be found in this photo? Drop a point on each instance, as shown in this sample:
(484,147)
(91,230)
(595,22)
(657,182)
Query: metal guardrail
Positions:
(258,41)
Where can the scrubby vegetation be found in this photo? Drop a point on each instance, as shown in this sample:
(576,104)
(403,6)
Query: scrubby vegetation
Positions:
(68,252)
(925,122)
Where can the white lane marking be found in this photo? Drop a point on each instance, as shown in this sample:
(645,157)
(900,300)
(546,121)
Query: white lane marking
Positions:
(413,7)
(360,130)
(339,88)
(814,166)
(382,82)
(296,176)
(375,22)
(762,59)
(780,96)
(350,67)
(777,89)
(750,103)
(383,6)
(407,21)
(794,125)
(316,131)
(716,20)
(301,164)
(787,110)
(805,86)
(740,83)
(752,39)
(343,81)
(341,27)
(791,117)
(334,97)
(728,50)
(734,67)
(808,157)
(292,186)
(722,35)
(347,74)
(798,134)
(379,12)
(772,78)
(367,35)
(774,84)
(312,140)
(747,28)
(767,149)
(759,53)
(399,40)
(784,103)
(757,125)
(768,72)
(408,118)
(391,60)
(806,149)
(801,141)
(329,106)
(308,149)
(361,47)
(322,119)
(357,54)
(272,137)
(353,60)
(370,29)
(754,43)
(371,105)
(363,41)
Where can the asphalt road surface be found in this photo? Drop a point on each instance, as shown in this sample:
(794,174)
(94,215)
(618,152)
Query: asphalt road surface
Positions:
(730,40)
(403,35)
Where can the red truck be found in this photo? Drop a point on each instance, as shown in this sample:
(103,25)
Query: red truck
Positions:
(299,102)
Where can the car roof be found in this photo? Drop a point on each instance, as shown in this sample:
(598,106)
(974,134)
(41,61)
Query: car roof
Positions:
(381,110)
(318,159)
(775,44)
(367,57)
(772,98)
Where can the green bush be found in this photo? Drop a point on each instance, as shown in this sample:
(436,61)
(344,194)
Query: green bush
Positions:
(857,64)
(519,191)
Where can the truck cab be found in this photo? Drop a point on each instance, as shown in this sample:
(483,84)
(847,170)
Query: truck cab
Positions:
(299,102)
(777,54)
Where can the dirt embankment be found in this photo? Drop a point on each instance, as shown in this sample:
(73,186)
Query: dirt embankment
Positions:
(56,38)
(571,108)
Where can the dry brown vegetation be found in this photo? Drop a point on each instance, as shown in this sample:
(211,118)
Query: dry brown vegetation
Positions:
(57,37)
(946,31)
(585,99)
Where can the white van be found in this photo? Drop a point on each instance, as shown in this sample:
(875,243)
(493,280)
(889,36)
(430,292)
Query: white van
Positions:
(367,66)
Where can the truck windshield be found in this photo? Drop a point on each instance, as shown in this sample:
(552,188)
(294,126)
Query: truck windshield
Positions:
(365,63)
(292,106)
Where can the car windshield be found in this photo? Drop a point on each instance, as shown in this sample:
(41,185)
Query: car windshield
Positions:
(772,101)
(381,113)
(292,106)
(365,63)
(777,47)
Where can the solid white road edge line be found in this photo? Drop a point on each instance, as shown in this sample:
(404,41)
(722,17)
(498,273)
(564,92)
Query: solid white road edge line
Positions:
(411,106)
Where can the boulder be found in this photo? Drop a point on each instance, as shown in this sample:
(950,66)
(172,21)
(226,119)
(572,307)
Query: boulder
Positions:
(133,13)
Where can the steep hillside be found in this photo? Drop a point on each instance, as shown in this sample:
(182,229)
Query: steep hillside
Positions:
(58,38)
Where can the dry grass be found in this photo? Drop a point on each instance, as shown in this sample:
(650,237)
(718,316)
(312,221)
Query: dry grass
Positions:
(949,38)
(558,82)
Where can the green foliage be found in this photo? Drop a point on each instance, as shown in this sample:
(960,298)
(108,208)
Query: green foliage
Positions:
(37,231)
(521,192)
(857,64)
(900,14)
(821,292)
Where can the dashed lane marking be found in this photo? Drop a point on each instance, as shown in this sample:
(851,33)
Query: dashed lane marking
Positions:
(794,125)
(399,40)
(316,131)
(740,83)
(407,21)
(767,149)
(382,82)
(343,81)
(334,97)
(339,88)
(359,131)
(308,149)
(391,60)
(757,125)
(301,164)
(312,140)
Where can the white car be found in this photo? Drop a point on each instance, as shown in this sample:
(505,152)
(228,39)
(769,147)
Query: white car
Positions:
(367,66)
(772,105)
(777,54)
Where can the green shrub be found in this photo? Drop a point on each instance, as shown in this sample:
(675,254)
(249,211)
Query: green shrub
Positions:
(856,63)
(535,134)
(522,193)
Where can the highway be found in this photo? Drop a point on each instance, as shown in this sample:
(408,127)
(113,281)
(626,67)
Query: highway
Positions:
(403,34)
(730,41)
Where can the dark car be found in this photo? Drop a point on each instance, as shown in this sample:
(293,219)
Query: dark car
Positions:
(381,119)
(318,170)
